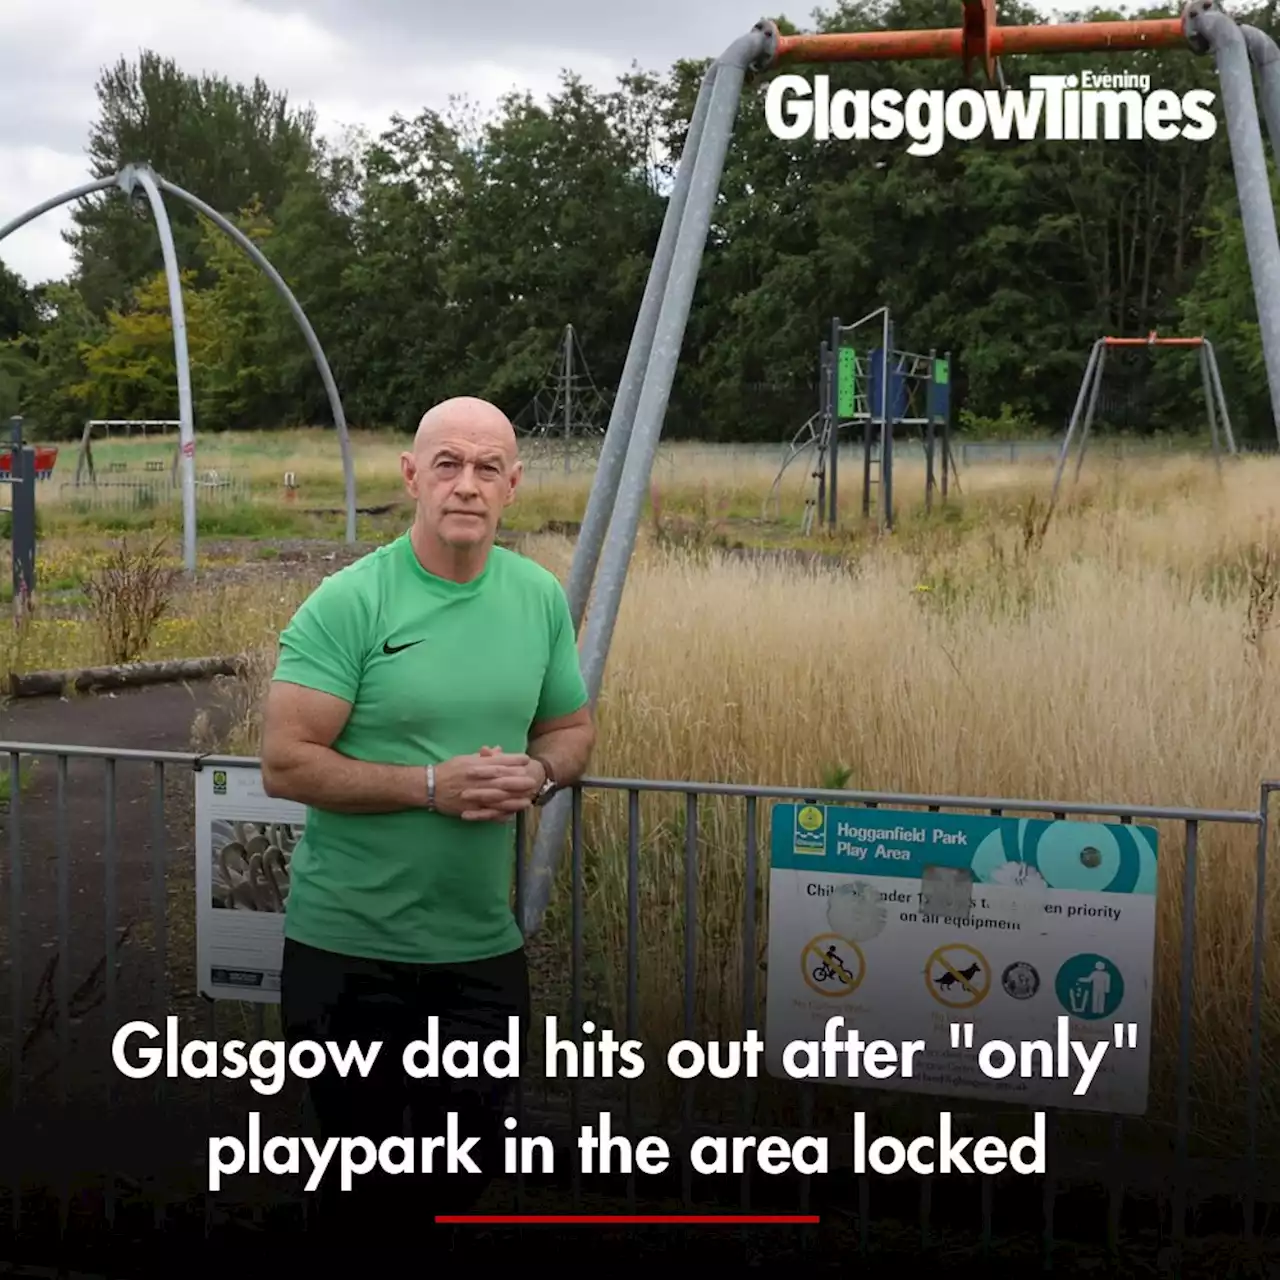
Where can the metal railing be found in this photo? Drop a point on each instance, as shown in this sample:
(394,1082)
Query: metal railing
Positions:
(143,493)
(655,931)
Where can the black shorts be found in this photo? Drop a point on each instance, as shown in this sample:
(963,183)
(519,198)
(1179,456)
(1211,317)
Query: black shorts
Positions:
(326,996)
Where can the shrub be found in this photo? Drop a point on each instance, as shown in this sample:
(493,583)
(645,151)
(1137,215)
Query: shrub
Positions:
(128,594)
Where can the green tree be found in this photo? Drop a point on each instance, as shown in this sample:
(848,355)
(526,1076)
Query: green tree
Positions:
(313,247)
(52,389)
(446,255)
(17,317)
(129,371)
(230,144)
(229,347)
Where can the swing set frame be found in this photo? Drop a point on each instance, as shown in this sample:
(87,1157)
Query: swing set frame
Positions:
(1214,397)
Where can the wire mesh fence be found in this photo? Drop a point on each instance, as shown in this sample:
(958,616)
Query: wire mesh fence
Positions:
(118,491)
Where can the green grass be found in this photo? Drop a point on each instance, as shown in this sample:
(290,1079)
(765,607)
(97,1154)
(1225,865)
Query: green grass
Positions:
(25,772)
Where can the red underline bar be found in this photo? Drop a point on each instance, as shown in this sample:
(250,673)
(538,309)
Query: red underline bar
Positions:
(629,1219)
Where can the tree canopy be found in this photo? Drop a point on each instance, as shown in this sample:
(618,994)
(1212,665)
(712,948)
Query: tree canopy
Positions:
(447,254)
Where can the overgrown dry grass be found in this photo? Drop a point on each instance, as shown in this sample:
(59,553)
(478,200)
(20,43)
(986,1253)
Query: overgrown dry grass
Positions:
(199,621)
(1122,656)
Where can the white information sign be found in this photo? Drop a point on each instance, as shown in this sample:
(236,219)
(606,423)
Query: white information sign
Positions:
(244,844)
(905,923)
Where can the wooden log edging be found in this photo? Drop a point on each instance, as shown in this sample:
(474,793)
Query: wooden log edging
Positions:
(34,684)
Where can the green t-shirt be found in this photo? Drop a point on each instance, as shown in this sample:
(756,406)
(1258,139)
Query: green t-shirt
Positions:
(485,660)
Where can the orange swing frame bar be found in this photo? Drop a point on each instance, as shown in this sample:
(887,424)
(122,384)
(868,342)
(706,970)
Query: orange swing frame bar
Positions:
(981,39)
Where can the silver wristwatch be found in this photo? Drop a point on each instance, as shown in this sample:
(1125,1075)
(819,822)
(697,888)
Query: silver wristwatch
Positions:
(548,788)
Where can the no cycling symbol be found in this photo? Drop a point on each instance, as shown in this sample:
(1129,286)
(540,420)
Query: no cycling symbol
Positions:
(958,976)
(833,966)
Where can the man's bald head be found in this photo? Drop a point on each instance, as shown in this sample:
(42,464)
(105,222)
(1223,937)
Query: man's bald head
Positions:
(466,418)
(462,471)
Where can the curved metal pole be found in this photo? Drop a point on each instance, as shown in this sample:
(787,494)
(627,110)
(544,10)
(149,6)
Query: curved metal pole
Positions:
(668,337)
(317,351)
(186,424)
(1266,57)
(791,452)
(1208,28)
(125,181)
(66,197)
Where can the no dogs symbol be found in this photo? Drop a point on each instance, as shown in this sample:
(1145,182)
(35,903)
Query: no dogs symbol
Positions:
(958,976)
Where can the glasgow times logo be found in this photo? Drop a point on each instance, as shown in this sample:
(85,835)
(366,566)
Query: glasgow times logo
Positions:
(1057,108)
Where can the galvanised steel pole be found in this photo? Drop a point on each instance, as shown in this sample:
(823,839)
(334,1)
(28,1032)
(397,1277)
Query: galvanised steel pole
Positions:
(1098,371)
(617,438)
(1208,28)
(126,180)
(1085,384)
(1210,405)
(76,193)
(833,394)
(144,178)
(1266,57)
(704,185)
(313,343)
(1222,396)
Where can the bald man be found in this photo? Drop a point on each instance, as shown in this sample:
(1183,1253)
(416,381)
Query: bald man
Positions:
(423,696)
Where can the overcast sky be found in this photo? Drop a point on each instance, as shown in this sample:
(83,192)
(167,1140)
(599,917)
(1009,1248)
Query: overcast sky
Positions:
(356,61)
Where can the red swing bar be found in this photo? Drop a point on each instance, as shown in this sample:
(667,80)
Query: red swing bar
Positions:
(981,39)
(1152,341)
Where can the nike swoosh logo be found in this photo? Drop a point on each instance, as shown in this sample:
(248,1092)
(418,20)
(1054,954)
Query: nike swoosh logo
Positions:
(388,648)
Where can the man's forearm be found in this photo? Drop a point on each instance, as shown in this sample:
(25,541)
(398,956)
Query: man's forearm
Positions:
(325,779)
(567,751)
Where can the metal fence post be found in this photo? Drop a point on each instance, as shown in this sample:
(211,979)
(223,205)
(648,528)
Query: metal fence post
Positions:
(22,513)
(833,394)
(886,427)
(1256,997)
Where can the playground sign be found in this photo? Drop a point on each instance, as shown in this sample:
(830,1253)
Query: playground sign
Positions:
(244,848)
(904,923)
